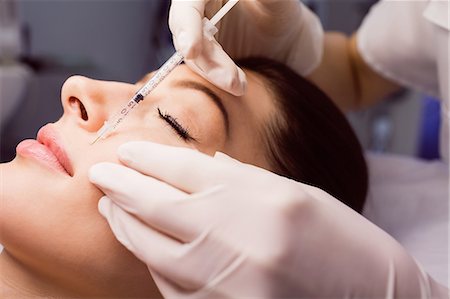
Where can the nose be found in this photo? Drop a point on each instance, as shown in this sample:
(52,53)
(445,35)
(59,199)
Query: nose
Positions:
(91,102)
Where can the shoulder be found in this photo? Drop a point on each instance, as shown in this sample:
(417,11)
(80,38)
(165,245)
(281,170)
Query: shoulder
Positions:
(437,12)
(397,40)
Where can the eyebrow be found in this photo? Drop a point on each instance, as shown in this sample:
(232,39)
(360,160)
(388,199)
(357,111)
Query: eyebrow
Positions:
(210,94)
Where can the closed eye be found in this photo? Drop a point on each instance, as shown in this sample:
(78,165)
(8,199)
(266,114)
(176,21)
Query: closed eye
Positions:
(176,126)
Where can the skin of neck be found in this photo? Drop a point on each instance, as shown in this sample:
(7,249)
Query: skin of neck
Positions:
(17,280)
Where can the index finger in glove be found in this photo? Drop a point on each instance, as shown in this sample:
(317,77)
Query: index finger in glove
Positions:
(146,243)
(166,256)
(121,183)
(218,68)
(146,198)
(185,169)
(185,23)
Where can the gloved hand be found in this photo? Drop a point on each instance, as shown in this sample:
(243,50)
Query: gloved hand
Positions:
(214,227)
(286,31)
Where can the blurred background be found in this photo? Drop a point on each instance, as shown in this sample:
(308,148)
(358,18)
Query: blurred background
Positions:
(43,42)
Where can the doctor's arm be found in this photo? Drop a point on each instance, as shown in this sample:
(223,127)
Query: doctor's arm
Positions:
(346,77)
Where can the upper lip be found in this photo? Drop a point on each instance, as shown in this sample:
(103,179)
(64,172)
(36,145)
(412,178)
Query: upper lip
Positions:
(49,137)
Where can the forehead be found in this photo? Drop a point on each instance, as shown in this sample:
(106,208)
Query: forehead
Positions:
(258,100)
(184,72)
(181,72)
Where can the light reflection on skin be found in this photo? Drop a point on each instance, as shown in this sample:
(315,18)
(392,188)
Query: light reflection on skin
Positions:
(50,222)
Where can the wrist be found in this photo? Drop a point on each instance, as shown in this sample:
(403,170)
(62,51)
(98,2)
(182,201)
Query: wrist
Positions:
(306,54)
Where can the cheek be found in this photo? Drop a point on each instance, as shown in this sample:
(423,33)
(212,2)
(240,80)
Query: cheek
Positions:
(43,211)
(53,223)
(152,130)
(209,132)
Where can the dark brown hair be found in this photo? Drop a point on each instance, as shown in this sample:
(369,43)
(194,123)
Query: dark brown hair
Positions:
(309,139)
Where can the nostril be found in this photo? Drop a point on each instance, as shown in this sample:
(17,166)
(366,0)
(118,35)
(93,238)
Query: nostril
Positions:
(84,114)
(78,105)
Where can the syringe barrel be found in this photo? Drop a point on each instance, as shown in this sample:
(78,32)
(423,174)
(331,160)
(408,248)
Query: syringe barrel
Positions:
(162,73)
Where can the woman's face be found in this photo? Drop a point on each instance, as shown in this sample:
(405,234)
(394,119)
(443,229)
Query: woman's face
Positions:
(48,214)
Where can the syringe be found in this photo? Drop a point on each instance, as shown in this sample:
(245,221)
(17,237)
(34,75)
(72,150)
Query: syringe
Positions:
(209,29)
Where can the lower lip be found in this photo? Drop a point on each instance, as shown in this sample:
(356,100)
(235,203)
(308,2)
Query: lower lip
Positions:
(39,152)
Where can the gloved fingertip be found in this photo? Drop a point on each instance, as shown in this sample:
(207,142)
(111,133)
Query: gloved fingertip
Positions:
(224,157)
(239,85)
(221,156)
(95,172)
(103,206)
(134,152)
(125,153)
(187,46)
(242,80)
(231,79)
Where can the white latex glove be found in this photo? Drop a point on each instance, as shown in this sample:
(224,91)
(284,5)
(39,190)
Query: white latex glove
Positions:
(214,227)
(284,30)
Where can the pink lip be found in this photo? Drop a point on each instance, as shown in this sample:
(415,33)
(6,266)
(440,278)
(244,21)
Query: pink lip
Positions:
(47,149)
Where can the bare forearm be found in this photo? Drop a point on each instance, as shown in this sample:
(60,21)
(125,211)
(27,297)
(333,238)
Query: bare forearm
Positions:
(334,75)
(346,78)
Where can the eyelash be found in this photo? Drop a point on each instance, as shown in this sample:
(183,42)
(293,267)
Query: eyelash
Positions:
(179,129)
